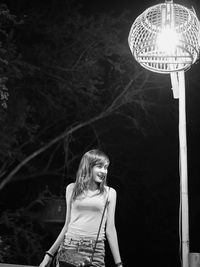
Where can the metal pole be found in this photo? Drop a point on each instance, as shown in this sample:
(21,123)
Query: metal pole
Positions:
(183,171)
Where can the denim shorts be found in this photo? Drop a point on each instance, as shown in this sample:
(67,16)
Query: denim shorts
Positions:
(85,246)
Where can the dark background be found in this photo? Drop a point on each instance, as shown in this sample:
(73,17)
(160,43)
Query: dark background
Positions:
(144,162)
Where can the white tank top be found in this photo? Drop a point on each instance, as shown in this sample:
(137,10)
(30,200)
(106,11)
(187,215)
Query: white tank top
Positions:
(86,214)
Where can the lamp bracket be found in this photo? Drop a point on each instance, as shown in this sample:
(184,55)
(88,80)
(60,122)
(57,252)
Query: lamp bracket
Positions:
(175,84)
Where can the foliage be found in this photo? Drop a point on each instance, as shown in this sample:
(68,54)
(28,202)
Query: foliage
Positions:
(80,71)
(14,109)
(22,237)
(4,249)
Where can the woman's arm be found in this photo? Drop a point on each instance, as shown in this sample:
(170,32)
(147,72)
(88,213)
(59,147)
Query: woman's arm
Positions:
(111,232)
(49,255)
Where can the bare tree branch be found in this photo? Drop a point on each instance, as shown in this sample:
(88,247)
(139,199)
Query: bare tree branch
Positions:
(115,105)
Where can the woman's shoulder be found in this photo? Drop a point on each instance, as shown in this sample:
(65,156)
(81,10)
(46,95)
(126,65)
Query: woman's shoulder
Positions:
(110,190)
(69,190)
(70,187)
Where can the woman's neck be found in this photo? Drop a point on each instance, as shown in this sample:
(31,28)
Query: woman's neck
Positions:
(93,187)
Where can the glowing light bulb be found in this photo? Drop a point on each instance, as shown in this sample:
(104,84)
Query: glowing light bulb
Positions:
(167,40)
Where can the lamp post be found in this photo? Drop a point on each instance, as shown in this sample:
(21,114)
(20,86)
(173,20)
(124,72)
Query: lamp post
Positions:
(165,38)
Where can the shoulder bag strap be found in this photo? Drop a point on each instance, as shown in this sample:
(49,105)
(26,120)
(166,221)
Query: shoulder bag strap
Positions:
(95,244)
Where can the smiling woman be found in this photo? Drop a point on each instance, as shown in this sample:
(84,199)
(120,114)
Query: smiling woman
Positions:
(90,216)
(99,172)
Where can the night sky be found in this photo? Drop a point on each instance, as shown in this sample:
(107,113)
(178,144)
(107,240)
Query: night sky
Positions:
(144,156)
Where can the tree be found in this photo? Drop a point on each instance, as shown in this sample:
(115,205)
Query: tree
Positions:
(80,71)
(12,116)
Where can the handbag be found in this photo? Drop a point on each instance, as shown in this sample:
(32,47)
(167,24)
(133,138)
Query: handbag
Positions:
(72,258)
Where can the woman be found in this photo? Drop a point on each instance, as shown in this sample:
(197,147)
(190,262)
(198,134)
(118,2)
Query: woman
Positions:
(85,201)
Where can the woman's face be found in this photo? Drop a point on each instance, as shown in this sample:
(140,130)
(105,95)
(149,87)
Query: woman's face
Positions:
(99,172)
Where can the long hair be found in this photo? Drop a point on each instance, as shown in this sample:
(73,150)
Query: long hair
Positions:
(84,173)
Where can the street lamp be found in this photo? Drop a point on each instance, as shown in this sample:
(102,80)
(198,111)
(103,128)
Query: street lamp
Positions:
(165,38)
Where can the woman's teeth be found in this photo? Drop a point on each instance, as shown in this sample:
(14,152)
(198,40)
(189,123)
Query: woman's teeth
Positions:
(101,176)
